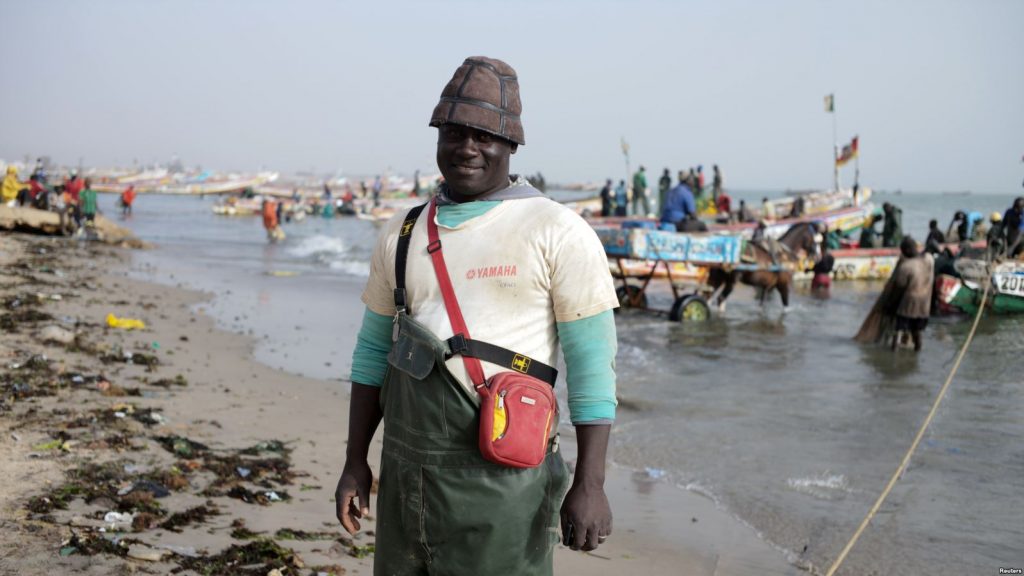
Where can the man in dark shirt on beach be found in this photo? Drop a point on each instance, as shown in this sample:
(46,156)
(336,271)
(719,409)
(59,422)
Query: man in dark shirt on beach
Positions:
(680,205)
(892,228)
(933,243)
(606,199)
(640,194)
(1013,227)
(664,184)
(910,292)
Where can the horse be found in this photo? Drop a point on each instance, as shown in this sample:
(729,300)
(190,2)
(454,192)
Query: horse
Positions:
(799,243)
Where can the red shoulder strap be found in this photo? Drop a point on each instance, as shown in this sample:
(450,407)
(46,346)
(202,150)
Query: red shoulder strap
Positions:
(451,303)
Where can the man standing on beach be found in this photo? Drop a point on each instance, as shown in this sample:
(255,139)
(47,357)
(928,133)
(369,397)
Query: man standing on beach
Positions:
(910,292)
(88,199)
(127,198)
(621,199)
(72,190)
(1013,227)
(716,182)
(607,201)
(529,275)
(640,193)
(377,187)
(664,185)
(892,228)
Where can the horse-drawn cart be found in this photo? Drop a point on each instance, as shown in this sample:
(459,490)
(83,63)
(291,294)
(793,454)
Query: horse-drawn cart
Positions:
(642,254)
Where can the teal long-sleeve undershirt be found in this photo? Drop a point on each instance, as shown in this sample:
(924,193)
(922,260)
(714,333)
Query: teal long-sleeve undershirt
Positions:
(588,345)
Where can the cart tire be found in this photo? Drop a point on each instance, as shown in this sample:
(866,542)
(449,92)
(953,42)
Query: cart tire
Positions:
(627,295)
(690,308)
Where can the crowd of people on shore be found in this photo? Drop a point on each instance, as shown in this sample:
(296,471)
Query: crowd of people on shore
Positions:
(691,195)
(74,199)
(685,201)
(1003,234)
(907,301)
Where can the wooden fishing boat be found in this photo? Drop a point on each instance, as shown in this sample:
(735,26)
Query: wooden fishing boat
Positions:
(864,263)
(846,221)
(202,184)
(238,207)
(871,263)
(235,206)
(1006,292)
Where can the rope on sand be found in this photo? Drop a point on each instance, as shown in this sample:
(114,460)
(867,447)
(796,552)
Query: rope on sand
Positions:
(917,439)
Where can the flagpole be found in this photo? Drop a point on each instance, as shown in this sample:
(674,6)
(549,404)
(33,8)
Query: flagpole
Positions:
(835,147)
(625,154)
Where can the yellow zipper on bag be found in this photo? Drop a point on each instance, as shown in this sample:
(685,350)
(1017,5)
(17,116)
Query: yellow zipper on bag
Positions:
(500,417)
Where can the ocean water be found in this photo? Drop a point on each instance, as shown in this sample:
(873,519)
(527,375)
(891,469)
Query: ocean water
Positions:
(778,416)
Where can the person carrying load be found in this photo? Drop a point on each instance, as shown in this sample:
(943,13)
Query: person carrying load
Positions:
(469,298)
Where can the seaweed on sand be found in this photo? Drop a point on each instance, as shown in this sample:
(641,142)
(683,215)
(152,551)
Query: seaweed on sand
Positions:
(290,534)
(178,380)
(239,531)
(333,570)
(194,515)
(182,447)
(91,482)
(92,543)
(357,551)
(255,558)
(231,466)
(10,321)
(32,378)
(275,446)
(264,472)
(261,497)
(118,355)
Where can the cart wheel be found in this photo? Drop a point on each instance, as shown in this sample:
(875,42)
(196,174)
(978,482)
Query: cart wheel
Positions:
(630,294)
(690,308)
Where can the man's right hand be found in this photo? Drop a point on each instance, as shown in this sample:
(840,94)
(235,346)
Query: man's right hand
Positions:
(356,479)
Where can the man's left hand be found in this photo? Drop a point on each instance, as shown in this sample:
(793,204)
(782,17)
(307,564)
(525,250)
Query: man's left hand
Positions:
(586,518)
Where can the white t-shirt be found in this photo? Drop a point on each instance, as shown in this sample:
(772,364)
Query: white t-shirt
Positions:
(517,269)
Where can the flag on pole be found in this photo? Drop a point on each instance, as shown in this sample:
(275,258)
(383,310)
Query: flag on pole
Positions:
(849,152)
(625,145)
(830,103)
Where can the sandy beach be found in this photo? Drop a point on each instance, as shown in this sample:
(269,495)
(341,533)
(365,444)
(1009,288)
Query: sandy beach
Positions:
(243,458)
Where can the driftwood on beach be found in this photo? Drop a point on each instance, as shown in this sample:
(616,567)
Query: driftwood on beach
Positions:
(33,221)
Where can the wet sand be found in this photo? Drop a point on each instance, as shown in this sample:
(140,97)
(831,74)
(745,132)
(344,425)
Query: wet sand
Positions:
(55,425)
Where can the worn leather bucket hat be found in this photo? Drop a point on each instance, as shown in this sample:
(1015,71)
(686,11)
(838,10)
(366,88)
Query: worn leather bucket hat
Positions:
(483,94)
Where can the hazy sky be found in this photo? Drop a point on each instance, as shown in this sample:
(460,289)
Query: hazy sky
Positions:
(935,89)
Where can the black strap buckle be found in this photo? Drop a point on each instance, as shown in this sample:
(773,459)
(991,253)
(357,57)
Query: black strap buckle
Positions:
(400,298)
(434,246)
(457,345)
